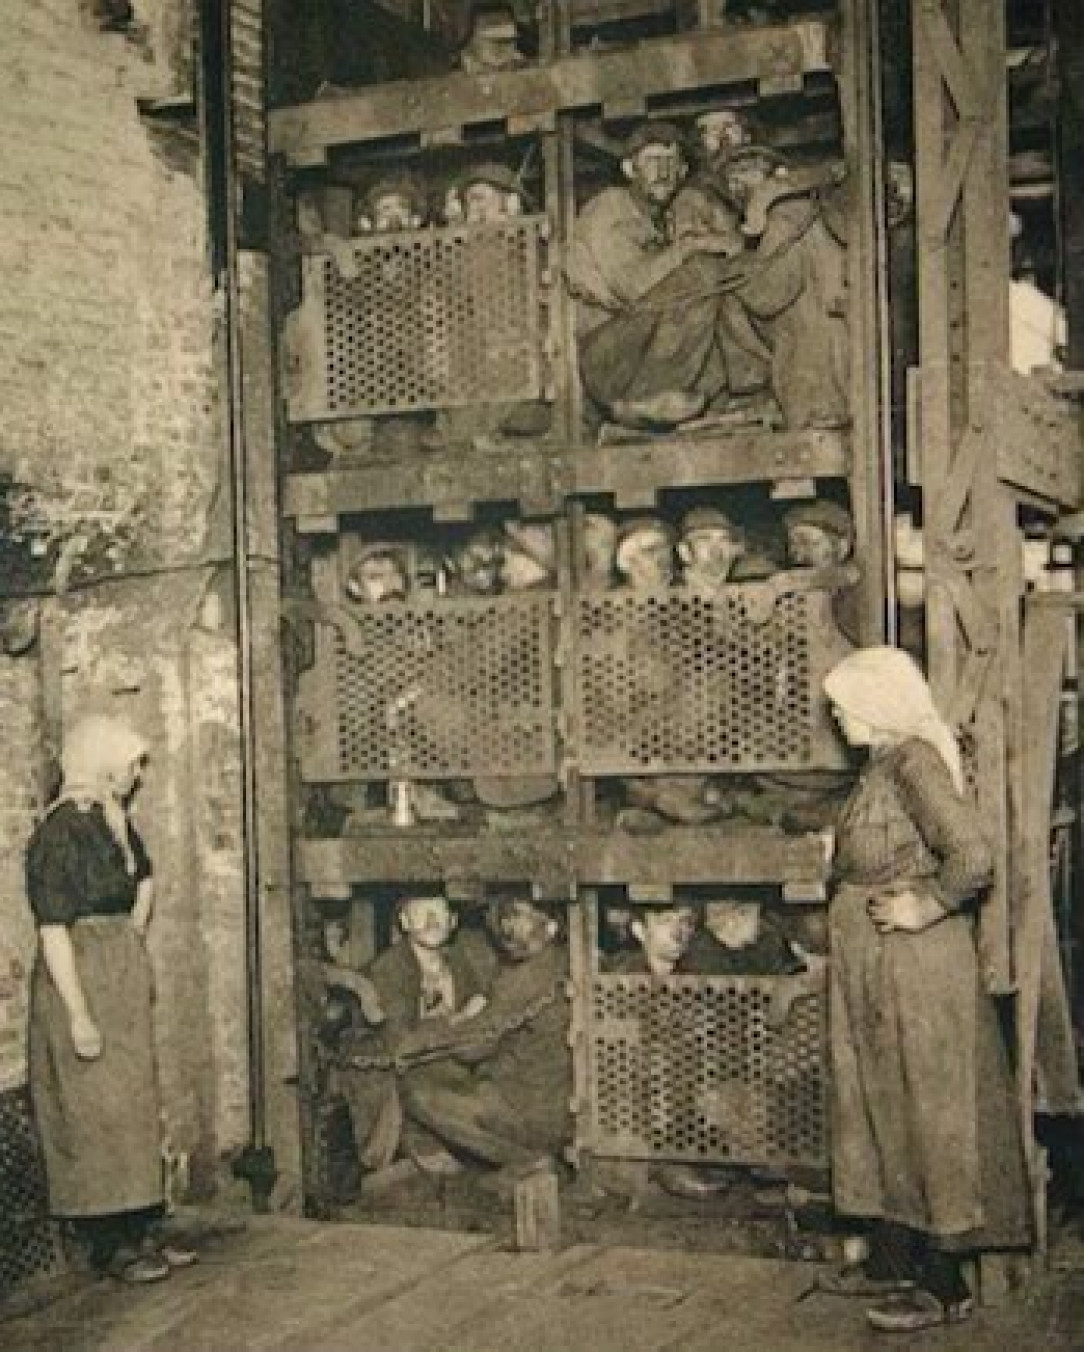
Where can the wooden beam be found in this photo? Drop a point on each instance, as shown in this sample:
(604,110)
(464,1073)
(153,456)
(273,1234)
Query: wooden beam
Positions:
(655,69)
(683,855)
(544,480)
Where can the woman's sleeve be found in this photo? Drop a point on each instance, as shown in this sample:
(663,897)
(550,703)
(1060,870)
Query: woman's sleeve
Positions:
(52,875)
(947,823)
(139,852)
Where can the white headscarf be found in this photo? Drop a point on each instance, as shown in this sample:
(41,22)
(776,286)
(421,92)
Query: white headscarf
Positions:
(97,750)
(884,688)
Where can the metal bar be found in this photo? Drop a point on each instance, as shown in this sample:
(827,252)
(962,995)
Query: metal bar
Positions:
(224,191)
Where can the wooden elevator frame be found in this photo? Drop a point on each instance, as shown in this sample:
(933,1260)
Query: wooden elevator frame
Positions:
(983,443)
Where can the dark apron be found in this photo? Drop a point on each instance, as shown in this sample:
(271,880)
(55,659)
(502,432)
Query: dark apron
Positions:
(98,1120)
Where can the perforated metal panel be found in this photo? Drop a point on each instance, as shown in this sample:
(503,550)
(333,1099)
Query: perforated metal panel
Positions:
(28,1241)
(697,1068)
(432,691)
(678,681)
(434,319)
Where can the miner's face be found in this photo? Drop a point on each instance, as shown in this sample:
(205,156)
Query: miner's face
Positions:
(310,220)
(810,546)
(712,553)
(744,178)
(735,924)
(427,921)
(665,935)
(656,172)
(493,40)
(484,203)
(337,938)
(721,131)
(521,572)
(646,560)
(377,579)
(599,544)
(394,211)
(479,566)
(522,929)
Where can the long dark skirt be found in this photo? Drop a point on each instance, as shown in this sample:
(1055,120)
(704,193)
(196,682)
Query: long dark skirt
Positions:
(98,1120)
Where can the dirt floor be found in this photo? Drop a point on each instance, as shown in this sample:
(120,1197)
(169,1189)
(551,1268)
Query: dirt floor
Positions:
(271,1284)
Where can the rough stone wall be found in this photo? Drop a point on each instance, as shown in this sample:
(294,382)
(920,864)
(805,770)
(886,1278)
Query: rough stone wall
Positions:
(108,386)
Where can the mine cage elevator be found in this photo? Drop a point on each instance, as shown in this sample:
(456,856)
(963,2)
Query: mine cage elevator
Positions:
(596,744)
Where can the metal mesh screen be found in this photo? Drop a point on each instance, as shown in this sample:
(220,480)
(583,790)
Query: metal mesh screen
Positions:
(432,691)
(28,1241)
(697,1068)
(684,681)
(434,319)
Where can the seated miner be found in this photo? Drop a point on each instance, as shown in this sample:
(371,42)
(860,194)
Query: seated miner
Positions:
(702,206)
(710,548)
(672,942)
(669,941)
(794,291)
(395,202)
(428,984)
(820,535)
(719,133)
(528,563)
(473,566)
(644,561)
(489,193)
(493,41)
(599,551)
(644,557)
(348,994)
(529,556)
(507,1105)
(378,575)
(450,204)
(661,338)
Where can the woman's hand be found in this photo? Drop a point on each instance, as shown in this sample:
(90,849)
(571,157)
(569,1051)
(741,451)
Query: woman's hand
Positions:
(906,910)
(86,1038)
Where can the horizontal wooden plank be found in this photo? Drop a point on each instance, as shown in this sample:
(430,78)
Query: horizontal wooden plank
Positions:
(558,861)
(541,480)
(660,67)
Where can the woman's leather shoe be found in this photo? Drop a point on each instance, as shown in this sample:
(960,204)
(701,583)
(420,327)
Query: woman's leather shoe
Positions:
(916,1310)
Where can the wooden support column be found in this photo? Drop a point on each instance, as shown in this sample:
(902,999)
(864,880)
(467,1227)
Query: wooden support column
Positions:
(1069,23)
(867,313)
(961,163)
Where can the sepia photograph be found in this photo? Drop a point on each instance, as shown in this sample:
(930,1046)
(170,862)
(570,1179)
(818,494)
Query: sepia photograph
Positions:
(541,580)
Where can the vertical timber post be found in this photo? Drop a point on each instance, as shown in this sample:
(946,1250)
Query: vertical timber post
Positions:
(867,314)
(974,580)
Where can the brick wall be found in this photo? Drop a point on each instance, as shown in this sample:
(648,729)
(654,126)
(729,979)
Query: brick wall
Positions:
(105,321)
(108,386)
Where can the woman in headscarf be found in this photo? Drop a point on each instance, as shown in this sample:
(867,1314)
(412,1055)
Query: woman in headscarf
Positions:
(93,1076)
(925,1141)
